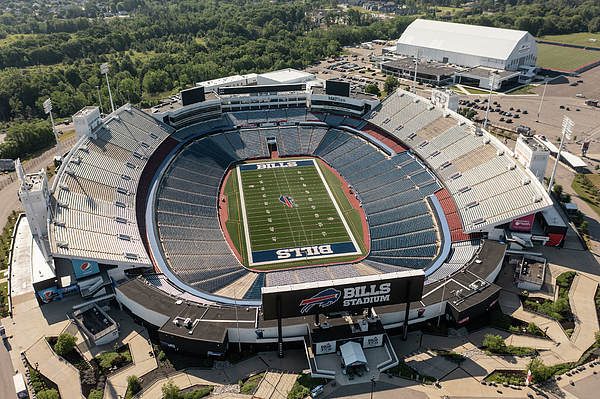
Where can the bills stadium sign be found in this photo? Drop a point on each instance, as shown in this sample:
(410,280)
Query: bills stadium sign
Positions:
(345,294)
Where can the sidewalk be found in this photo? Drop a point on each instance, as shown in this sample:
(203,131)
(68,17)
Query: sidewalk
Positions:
(56,369)
(116,383)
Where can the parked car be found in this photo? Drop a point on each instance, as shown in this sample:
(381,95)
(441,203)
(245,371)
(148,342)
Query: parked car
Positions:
(509,121)
(580,96)
(574,84)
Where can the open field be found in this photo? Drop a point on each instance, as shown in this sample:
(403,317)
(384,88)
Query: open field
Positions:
(578,39)
(290,215)
(564,58)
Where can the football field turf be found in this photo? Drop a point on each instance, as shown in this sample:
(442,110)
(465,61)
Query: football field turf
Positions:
(289,214)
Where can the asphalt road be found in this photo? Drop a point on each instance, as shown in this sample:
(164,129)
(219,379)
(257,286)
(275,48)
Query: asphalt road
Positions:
(6,372)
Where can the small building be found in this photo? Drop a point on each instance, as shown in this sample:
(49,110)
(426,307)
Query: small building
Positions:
(427,71)
(531,154)
(480,77)
(530,273)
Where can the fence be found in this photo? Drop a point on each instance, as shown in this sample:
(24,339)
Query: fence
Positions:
(38,162)
(577,327)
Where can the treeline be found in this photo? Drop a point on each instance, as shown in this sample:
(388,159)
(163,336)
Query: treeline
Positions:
(165,48)
(26,138)
(540,18)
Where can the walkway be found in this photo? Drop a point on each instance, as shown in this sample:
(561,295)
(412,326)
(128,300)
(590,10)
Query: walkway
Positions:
(143,362)
(55,368)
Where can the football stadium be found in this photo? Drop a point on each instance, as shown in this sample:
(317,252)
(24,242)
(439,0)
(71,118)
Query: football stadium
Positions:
(284,211)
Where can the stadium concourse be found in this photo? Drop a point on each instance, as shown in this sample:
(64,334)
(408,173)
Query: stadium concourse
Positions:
(139,199)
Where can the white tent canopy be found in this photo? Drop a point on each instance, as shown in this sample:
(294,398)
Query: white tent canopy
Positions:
(352,354)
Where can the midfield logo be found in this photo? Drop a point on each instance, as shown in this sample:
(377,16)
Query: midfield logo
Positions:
(287,200)
(323,299)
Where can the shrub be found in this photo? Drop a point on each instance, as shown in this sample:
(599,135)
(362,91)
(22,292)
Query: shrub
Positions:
(249,387)
(96,394)
(48,394)
(198,393)
(233,357)
(162,355)
(65,343)
(565,279)
(118,361)
(597,337)
(569,332)
(208,362)
(584,227)
(533,329)
(133,384)
(494,343)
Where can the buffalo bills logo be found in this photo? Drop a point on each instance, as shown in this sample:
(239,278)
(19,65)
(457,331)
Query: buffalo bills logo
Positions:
(323,299)
(86,266)
(287,200)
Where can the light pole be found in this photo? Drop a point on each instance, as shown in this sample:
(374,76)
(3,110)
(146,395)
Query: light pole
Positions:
(537,119)
(372,386)
(48,110)
(566,131)
(104,70)
(100,99)
(442,300)
(237,322)
(417,56)
(493,82)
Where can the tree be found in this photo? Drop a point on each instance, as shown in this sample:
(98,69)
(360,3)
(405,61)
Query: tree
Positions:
(133,384)
(539,371)
(391,83)
(372,89)
(494,343)
(597,337)
(557,189)
(170,390)
(65,343)
(48,394)
(584,227)
(95,394)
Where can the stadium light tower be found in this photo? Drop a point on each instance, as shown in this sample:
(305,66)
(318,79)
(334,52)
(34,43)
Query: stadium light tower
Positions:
(566,131)
(493,83)
(104,70)
(417,56)
(48,110)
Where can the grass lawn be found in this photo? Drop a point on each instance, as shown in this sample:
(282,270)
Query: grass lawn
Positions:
(564,58)
(586,194)
(4,299)
(578,39)
(523,90)
(474,90)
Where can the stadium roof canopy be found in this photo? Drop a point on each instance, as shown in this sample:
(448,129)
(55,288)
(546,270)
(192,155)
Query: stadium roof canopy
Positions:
(460,38)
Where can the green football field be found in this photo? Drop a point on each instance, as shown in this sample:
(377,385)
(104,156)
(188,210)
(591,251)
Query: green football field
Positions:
(564,58)
(289,213)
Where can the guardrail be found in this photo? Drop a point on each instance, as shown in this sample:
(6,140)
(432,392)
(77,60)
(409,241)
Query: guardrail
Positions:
(572,289)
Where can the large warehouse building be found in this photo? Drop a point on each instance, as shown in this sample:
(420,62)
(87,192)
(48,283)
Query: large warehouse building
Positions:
(469,45)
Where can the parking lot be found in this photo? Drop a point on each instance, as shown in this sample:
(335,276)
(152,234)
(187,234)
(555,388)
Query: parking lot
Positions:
(559,92)
(560,100)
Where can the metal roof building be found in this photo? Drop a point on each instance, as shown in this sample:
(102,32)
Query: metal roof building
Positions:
(469,45)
